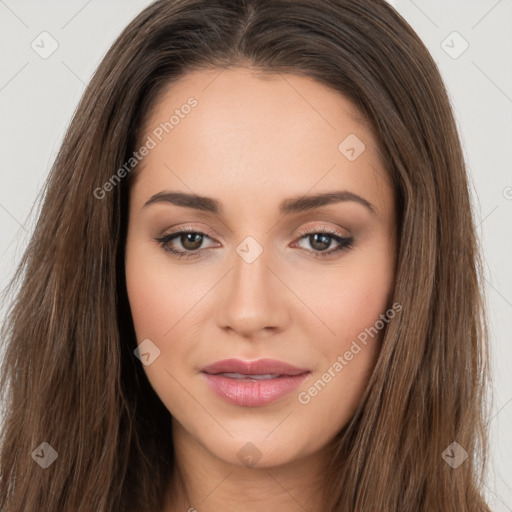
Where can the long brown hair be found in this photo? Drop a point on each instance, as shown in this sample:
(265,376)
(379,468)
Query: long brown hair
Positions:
(70,377)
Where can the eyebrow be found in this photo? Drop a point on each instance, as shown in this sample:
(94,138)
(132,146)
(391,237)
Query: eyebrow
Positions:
(292,205)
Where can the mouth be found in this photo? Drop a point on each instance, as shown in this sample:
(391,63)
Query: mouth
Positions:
(253,383)
(249,378)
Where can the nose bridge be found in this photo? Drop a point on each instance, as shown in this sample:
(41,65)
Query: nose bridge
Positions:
(251,281)
(254,299)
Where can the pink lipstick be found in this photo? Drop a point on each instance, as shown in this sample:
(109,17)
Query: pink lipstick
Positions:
(253,383)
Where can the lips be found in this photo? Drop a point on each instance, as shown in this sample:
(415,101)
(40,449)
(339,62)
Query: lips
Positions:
(260,367)
(253,383)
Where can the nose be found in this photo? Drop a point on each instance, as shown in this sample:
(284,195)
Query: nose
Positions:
(253,301)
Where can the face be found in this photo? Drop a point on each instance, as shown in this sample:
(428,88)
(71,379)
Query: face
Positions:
(261,231)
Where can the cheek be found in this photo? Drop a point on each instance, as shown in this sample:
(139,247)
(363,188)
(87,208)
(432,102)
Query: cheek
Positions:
(351,297)
(352,306)
(161,298)
(147,302)
(159,294)
(357,304)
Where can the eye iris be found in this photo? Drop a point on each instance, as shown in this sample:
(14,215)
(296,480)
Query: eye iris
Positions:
(320,241)
(194,239)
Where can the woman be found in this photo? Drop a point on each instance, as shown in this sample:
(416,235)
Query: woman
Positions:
(254,279)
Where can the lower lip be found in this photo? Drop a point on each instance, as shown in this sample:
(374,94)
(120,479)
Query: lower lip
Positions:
(253,393)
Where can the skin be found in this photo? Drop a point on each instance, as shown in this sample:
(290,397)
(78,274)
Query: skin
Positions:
(252,142)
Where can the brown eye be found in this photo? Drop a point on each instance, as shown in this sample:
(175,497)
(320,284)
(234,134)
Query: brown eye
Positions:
(320,241)
(184,244)
(191,241)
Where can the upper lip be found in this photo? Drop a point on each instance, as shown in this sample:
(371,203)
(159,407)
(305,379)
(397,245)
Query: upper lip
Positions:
(259,367)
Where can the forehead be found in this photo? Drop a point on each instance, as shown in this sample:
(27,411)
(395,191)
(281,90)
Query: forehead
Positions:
(278,132)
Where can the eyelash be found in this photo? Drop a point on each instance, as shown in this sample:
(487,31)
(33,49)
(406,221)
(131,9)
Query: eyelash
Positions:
(345,242)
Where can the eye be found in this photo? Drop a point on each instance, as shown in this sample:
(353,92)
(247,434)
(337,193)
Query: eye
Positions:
(191,241)
(321,239)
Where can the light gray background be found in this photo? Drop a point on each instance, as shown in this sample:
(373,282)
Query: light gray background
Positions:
(38,97)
